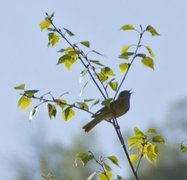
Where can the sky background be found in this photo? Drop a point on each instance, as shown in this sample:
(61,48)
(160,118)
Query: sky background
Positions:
(25,58)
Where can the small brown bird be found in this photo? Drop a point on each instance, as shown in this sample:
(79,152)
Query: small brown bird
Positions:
(116,109)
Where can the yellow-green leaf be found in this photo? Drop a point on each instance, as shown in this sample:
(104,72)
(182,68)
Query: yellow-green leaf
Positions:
(24,102)
(124,49)
(83,105)
(158,139)
(60,102)
(138,132)
(85,43)
(127,27)
(68,113)
(20,87)
(107,167)
(53,38)
(84,157)
(45,24)
(114,160)
(149,49)
(113,85)
(183,148)
(151,153)
(123,67)
(147,61)
(107,71)
(152,30)
(133,157)
(51,109)
(69,32)
(105,175)
(151,131)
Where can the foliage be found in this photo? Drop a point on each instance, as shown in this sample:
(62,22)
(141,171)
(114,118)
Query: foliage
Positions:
(104,79)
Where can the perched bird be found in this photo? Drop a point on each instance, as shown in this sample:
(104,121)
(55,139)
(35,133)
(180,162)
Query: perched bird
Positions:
(116,109)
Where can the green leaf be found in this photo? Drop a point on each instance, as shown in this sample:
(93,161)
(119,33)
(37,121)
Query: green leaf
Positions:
(20,87)
(53,38)
(151,131)
(141,55)
(152,30)
(114,160)
(84,157)
(33,113)
(133,157)
(30,93)
(107,167)
(123,67)
(107,71)
(24,102)
(125,55)
(105,175)
(61,103)
(120,177)
(45,24)
(183,148)
(83,105)
(69,32)
(147,61)
(158,139)
(113,85)
(68,113)
(51,109)
(85,43)
(127,27)
(89,99)
(96,62)
(149,49)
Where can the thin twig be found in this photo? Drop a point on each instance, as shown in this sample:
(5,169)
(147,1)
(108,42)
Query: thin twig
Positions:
(118,131)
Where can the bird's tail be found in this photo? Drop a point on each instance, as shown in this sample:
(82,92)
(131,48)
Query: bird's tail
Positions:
(91,124)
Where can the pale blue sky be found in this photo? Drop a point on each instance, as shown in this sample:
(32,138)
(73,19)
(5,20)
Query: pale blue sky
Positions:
(25,58)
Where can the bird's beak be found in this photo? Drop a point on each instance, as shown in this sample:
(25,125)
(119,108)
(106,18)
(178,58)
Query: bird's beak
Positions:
(130,91)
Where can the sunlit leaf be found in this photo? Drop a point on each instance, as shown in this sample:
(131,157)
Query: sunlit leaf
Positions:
(51,109)
(33,113)
(123,67)
(149,49)
(84,157)
(69,32)
(20,87)
(158,139)
(152,30)
(24,102)
(105,175)
(113,85)
(114,160)
(53,38)
(133,157)
(147,61)
(124,49)
(107,71)
(68,113)
(45,24)
(138,132)
(85,43)
(127,27)
(151,153)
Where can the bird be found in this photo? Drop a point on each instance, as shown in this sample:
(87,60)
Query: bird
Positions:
(116,109)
